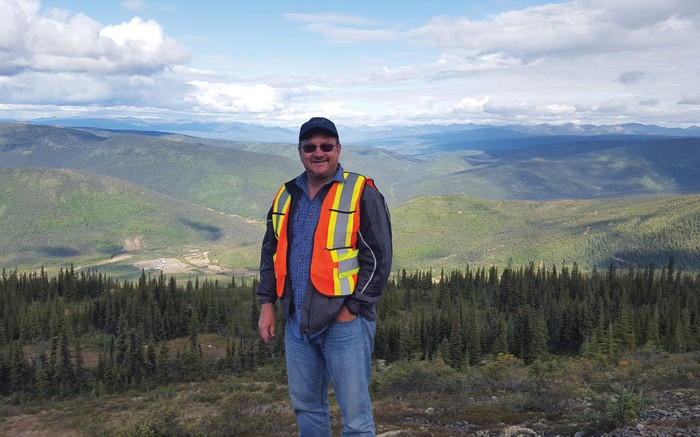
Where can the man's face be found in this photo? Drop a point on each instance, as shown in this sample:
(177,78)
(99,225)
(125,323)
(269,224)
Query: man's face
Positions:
(320,165)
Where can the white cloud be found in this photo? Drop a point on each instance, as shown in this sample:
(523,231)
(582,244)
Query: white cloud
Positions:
(144,36)
(615,106)
(568,29)
(345,19)
(496,106)
(231,97)
(693,99)
(137,80)
(51,88)
(470,105)
(56,58)
(133,5)
(595,60)
(557,59)
(631,77)
(560,109)
(339,34)
(60,42)
(343,28)
(648,102)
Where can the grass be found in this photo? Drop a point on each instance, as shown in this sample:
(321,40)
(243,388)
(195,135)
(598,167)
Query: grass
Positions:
(561,396)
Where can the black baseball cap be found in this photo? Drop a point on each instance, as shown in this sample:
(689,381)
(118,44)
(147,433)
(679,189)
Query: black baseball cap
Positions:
(318,124)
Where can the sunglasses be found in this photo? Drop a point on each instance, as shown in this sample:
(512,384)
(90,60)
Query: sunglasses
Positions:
(311,148)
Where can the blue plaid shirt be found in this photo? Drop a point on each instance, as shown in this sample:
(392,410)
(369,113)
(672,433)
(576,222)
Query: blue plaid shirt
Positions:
(301,245)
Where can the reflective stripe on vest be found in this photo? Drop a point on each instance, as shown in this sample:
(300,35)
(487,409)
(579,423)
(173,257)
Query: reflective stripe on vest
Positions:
(280,209)
(334,260)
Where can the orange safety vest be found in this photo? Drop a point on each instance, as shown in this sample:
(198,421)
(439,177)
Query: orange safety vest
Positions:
(334,260)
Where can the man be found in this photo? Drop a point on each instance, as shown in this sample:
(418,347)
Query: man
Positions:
(326,255)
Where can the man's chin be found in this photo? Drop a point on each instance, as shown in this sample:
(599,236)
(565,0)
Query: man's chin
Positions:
(319,167)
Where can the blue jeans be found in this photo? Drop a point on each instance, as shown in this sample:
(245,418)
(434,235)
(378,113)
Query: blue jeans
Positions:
(343,354)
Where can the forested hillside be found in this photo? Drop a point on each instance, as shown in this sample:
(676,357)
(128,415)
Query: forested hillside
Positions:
(55,217)
(578,168)
(236,177)
(174,193)
(229,176)
(222,178)
(457,231)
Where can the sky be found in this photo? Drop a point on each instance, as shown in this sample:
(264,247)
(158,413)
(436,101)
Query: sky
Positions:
(360,62)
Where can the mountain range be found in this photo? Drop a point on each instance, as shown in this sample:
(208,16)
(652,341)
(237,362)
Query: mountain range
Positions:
(388,137)
(213,192)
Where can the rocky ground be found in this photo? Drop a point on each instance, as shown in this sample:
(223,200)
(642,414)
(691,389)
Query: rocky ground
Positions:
(676,414)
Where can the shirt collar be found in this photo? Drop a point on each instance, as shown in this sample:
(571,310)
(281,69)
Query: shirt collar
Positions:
(303,179)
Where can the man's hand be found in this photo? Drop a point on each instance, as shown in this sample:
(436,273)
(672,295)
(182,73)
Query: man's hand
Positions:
(266,322)
(345,315)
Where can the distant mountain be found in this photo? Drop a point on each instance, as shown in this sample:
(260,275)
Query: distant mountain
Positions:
(227,176)
(403,139)
(228,131)
(420,140)
(586,168)
(494,163)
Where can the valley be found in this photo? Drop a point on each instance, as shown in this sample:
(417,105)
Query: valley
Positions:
(89,196)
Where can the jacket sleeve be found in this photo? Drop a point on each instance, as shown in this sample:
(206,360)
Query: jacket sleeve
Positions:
(375,246)
(266,289)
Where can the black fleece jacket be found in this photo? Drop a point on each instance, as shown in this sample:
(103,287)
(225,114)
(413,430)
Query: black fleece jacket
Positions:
(375,253)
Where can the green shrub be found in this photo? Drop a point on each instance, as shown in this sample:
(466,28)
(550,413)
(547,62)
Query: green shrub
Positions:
(233,420)
(626,404)
(160,419)
(548,386)
(618,409)
(504,372)
(405,377)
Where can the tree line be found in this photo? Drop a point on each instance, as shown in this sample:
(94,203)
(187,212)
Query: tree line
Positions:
(84,332)
(533,312)
(50,327)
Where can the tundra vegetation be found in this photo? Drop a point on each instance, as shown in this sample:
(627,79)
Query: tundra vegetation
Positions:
(457,353)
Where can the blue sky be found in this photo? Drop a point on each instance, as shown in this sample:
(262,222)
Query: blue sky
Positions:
(359,62)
